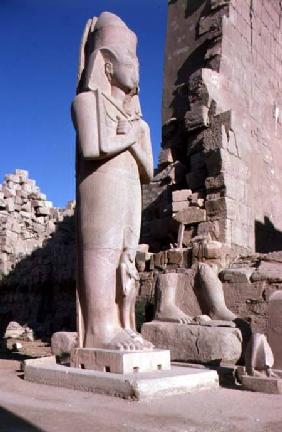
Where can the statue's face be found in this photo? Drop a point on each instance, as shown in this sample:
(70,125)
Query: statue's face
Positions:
(126,73)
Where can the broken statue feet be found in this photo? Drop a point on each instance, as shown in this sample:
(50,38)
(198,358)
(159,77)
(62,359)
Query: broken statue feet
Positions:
(172,313)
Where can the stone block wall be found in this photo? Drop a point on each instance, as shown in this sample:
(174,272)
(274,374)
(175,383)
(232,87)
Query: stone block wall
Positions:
(222,118)
(37,285)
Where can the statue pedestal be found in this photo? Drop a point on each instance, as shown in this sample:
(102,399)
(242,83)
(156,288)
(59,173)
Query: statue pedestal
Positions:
(180,379)
(195,343)
(120,362)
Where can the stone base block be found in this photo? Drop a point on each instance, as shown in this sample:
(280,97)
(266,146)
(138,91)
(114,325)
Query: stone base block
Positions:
(261,384)
(121,362)
(178,380)
(195,343)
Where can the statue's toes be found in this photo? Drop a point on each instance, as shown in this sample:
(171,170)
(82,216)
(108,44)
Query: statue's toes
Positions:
(132,346)
(139,346)
(126,346)
(119,346)
(148,345)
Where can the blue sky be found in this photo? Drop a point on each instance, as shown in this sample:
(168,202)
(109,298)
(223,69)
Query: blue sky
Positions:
(39,42)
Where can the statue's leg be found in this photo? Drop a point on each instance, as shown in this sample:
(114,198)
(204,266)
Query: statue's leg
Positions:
(102,221)
(167,310)
(97,288)
(211,294)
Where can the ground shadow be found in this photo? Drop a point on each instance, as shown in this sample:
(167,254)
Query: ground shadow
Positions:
(267,237)
(10,422)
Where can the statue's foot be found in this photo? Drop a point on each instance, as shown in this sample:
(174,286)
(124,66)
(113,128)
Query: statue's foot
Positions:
(202,319)
(172,313)
(271,374)
(223,314)
(129,340)
(137,336)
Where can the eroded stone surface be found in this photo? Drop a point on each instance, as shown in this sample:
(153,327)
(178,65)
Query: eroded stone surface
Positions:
(195,343)
(63,342)
(141,386)
(121,362)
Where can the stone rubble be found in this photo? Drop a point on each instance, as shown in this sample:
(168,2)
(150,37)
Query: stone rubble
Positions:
(27,219)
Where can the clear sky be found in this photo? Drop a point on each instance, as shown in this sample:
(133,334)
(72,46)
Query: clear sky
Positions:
(39,42)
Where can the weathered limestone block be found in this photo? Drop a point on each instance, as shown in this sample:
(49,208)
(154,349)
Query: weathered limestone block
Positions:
(175,256)
(215,182)
(222,207)
(195,343)
(197,117)
(180,206)
(43,211)
(190,216)
(181,195)
(213,250)
(160,259)
(165,156)
(209,228)
(63,343)
(14,330)
(237,275)
(270,271)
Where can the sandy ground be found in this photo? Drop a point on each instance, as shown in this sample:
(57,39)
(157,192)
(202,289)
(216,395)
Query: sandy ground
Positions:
(29,407)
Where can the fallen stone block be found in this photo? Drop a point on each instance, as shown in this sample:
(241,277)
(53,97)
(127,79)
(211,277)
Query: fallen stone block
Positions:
(267,270)
(14,330)
(237,275)
(62,343)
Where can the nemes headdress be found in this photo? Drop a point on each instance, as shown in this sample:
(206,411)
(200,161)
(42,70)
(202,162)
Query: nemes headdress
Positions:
(106,32)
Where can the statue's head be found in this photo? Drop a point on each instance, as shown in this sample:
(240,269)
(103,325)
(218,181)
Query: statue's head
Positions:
(110,58)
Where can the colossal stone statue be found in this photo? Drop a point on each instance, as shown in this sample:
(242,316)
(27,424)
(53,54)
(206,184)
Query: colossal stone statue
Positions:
(114,158)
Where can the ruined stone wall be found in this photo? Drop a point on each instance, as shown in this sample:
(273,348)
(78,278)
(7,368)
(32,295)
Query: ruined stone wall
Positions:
(37,285)
(222,118)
